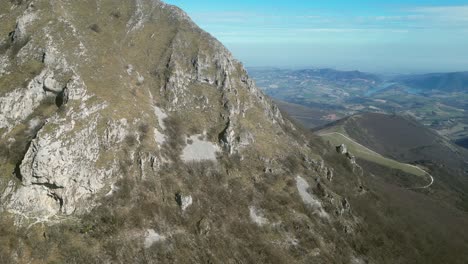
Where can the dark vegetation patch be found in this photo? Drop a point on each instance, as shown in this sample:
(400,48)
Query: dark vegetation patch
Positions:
(116,14)
(408,227)
(462,142)
(95,27)
(393,176)
(5,44)
(402,139)
(143,129)
(17,2)
(175,141)
(130,140)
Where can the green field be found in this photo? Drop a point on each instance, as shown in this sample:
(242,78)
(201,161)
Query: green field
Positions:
(362,152)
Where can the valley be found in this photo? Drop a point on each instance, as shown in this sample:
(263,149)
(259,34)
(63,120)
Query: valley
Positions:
(332,94)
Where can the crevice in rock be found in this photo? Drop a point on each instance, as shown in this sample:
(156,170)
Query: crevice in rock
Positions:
(178,199)
(34,132)
(11,36)
(17,171)
(57,198)
(62,98)
(222,138)
(51,186)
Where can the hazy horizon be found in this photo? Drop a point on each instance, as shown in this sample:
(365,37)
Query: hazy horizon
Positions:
(391,36)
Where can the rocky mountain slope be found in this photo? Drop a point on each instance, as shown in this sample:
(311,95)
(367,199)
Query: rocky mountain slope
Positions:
(129,135)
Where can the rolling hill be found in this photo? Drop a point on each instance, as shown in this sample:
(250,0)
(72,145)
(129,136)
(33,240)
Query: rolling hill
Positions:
(395,150)
(443,82)
(395,142)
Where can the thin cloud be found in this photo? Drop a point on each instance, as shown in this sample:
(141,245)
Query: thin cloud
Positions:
(447,13)
(236,17)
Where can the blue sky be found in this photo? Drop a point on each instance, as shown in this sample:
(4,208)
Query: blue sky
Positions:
(379,36)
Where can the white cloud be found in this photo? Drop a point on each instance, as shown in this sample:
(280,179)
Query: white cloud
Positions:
(445,13)
(398,18)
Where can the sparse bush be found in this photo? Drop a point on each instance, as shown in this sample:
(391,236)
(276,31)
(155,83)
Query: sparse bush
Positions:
(176,136)
(116,14)
(130,140)
(4,46)
(16,2)
(293,164)
(95,28)
(143,128)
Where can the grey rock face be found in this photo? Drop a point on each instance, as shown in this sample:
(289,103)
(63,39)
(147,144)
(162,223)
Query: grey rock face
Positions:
(342,149)
(60,171)
(17,105)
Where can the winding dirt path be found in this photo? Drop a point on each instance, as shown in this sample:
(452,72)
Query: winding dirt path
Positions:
(375,153)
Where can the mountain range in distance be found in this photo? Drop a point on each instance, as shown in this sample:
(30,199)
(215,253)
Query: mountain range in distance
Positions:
(437,100)
(448,82)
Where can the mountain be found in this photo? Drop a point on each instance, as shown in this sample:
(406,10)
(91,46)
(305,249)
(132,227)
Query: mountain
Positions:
(447,82)
(336,75)
(130,135)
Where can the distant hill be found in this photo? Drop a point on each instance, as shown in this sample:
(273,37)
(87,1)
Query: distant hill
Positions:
(405,140)
(448,82)
(402,138)
(336,75)
(309,117)
(463,142)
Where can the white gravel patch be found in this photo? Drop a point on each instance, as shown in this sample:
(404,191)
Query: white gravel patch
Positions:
(186,202)
(308,198)
(152,237)
(257,217)
(112,190)
(199,150)
(159,137)
(161,116)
